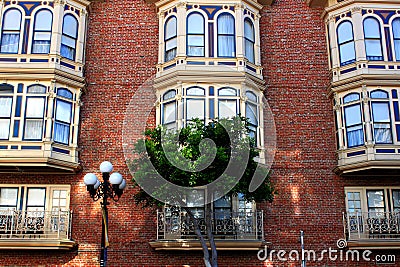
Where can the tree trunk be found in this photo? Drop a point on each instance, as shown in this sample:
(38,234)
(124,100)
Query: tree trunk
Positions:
(197,230)
(210,236)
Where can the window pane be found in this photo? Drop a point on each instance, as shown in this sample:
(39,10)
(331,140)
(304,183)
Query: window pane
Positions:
(67,52)
(169,112)
(355,136)
(196,23)
(396,200)
(375,199)
(34,107)
(8,197)
(373,48)
(196,198)
(248,30)
(195,51)
(396,28)
(350,98)
(249,50)
(12,20)
(4,128)
(5,106)
(170,44)
(380,112)
(170,28)
(196,40)
(195,91)
(251,96)
(223,202)
(227,91)
(64,93)
(345,32)
(352,115)
(61,133)
(70,26)
(169,95)
(9,42)
(36,197)
(41,47)
(36,89)
(371,28)
(33,129)
(195,109)
(63,111)
(68,41)
(347,52)
(227,108)
(42,36)
(251,113)
(43,20)
(379,94)
(226,46)
(226,24)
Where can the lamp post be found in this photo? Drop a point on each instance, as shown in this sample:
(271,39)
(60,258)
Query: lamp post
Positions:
(112,187)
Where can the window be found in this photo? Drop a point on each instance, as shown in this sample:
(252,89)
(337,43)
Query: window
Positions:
(345,37)
(6,99)
(252,114)
(249,40)
(34,112)
(11,31)
(63,117)
(42,32)
(353,121)
(396,37)
(381,117)
(69,37)
(227,103)
(195,103)
(226,35)
(372,36)
(168,112)
(170,39)
(195,35)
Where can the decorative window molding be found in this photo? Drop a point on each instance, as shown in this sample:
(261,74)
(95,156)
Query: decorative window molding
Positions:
(195,35)
(42,32)
(226,40)
(11,31)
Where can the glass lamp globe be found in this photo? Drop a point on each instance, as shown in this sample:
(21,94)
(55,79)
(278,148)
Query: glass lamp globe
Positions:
(106,167)
(122,184)
(90,179)
(116,178)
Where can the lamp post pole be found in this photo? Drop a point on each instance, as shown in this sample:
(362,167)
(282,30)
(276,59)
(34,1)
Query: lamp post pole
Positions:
(112,187)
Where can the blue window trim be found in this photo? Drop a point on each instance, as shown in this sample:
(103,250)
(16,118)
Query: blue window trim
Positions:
(346,42)
(395,39)
(172,37)
(234,34)
(69,36)
(25,117)
(388,123)
(65,93)
(379,90)
(192,87)
(63,122)
(195,34)
(194,98)
(351,94)
(380,39)
(353,125)
(34,29)
(19,31)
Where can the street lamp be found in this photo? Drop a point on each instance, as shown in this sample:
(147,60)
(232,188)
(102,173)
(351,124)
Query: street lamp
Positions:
(111,187)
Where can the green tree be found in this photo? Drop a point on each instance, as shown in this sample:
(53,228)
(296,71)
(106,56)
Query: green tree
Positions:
(220,153)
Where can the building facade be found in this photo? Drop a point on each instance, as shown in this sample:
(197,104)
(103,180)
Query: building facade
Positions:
(327,69)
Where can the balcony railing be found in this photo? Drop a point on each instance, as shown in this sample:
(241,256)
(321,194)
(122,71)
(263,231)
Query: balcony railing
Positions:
(384,226)
(225,225)
(35,225)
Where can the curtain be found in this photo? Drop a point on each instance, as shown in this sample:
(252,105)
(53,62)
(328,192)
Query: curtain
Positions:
(382,133)
(249,50)
(9,43)
(249,40)
(4,128)
(67,51)
(61,133)
(226,36)
(33,129)
(355,136)
(227,108)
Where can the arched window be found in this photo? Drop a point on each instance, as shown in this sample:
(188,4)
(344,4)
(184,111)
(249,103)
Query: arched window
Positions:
(381,117)
(195,35)
(227,103)
(226,35)
(69,37)
(195,106)
(42,32)
(6,99)
(396,37)
(168,115)
(345,37)
(353,120)
(11,31)
(252,114)
(170,39)
(249,40)
(34,112)
(372,38)
(63,116)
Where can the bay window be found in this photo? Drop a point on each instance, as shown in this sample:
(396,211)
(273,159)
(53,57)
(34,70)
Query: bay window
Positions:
(10,34)
(226,35)
(373,39)
(345,39)
(42,32)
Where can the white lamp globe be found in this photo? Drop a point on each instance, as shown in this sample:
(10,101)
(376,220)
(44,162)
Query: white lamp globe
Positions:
(122,184)
(90,179)
(97,184)
(106,166)
(116,178)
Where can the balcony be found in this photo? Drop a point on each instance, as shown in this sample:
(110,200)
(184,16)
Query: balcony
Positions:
(232,231)
(36,230)
(377,230)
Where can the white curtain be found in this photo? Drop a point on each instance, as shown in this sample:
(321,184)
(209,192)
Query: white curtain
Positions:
(355,136)
(34,118)
(33,129)
(4,128)
(61,133)
(63,114)
(5,111)
(226,36)
(382,133)
(9,43)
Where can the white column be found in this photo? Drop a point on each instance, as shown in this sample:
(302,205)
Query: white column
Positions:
(181,29)
(358,33)
(161,37)
(332,42)
(57,27)
(257,48)
(338,113)
(180,105)
(49,114)
(80,46)
(367,116)
(239,30)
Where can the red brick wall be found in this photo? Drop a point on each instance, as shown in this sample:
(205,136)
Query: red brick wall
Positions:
(121,54)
